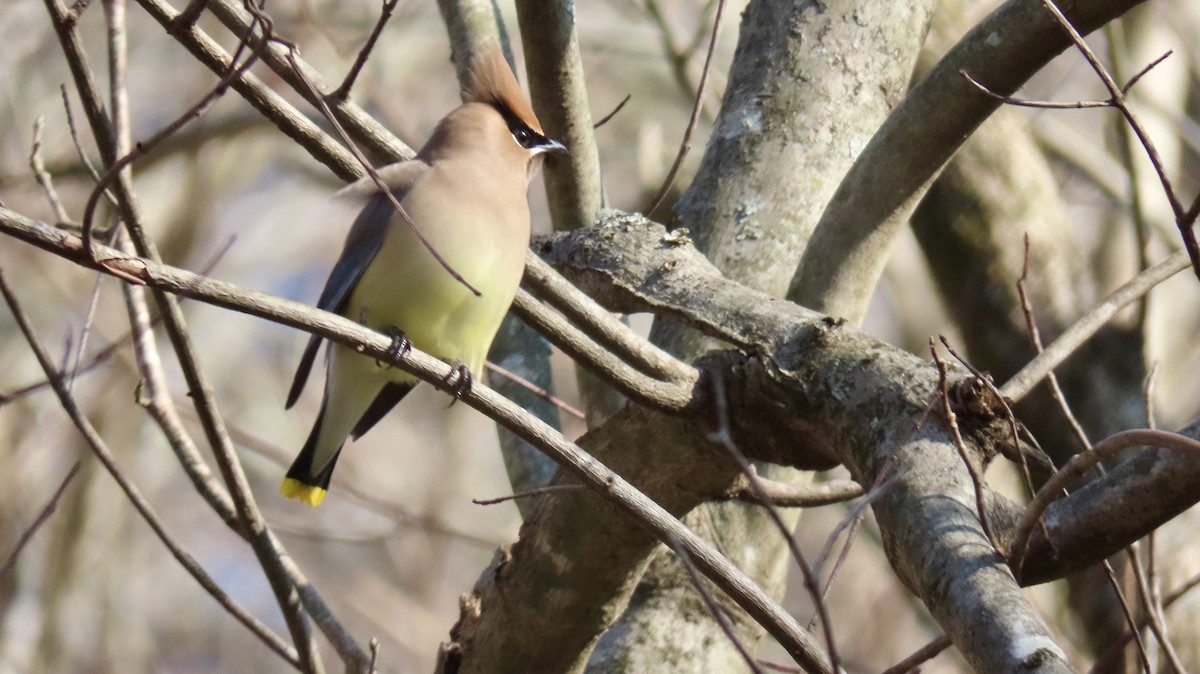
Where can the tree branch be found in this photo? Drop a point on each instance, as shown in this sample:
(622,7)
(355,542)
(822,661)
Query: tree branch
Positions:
(854,237)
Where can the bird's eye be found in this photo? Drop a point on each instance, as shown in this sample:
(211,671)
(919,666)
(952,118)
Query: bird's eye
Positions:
(522,136)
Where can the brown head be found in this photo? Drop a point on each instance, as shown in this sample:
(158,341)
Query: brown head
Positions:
(496,120)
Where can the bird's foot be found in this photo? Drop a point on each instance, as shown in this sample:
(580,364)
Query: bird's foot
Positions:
(459,380)
(400,347)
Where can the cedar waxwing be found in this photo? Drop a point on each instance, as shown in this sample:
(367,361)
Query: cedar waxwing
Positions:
(466,193)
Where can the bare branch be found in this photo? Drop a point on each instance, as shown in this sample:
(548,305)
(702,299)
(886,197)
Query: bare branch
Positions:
(1184,220)
(666,395)
(343,90)
(556,87)
(1022,382)
(1024,103)
(686,144)
(1083,462)
(620,106)
(526,494)
(924,654)
(788,495)
(43,177)
(601,325)
(535,389)
(714,609)
(42,517)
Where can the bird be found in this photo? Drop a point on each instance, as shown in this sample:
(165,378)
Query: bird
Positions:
(466,193)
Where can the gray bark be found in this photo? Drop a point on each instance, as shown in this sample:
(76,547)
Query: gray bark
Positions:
(809,84)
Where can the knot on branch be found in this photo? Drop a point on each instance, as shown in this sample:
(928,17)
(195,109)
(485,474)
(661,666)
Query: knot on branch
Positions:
(766,419)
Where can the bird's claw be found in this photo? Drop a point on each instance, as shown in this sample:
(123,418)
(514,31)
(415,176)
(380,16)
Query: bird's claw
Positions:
(459,380)
(400,347)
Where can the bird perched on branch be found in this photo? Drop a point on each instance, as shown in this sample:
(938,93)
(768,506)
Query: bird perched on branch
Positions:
(465,192)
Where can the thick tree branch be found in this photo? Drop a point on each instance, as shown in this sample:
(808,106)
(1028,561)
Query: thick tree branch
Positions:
(559,96)
(855,234)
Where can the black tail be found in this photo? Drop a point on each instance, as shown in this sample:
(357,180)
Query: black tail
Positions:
(391,394)
(303,477)
(302,468)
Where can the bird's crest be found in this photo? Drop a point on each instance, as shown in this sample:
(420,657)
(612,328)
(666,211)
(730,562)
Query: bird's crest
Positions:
(493,83)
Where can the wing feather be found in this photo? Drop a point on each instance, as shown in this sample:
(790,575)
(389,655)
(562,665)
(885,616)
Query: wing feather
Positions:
(362,244)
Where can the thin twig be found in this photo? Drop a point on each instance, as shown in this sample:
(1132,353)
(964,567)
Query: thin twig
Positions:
(42,518)
(1035,370)
(776,667)
(851,534)
(1157,621)
(1148,396)
(923,654)
(1035,338)
(963,453)
(87,162)
(343,91)
(1184,219)
(721,435)
(605,119)
(1102,663)
(694,120)
(677,56)
(540,491)
(1127,613)
(374,645)
(714,609)
(1142,73)
(1114,37)
(883,480)
(1026,103)
(535,389)
(43,176)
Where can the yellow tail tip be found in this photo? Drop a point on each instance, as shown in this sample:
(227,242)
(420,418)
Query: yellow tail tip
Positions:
(305,493)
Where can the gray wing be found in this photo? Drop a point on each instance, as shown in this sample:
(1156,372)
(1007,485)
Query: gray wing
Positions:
(362,244)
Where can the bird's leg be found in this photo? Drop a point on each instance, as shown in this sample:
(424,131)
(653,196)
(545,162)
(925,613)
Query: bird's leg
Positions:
(459,380)
(400,347)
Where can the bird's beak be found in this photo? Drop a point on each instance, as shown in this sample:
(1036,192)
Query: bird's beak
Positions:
(551,146)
